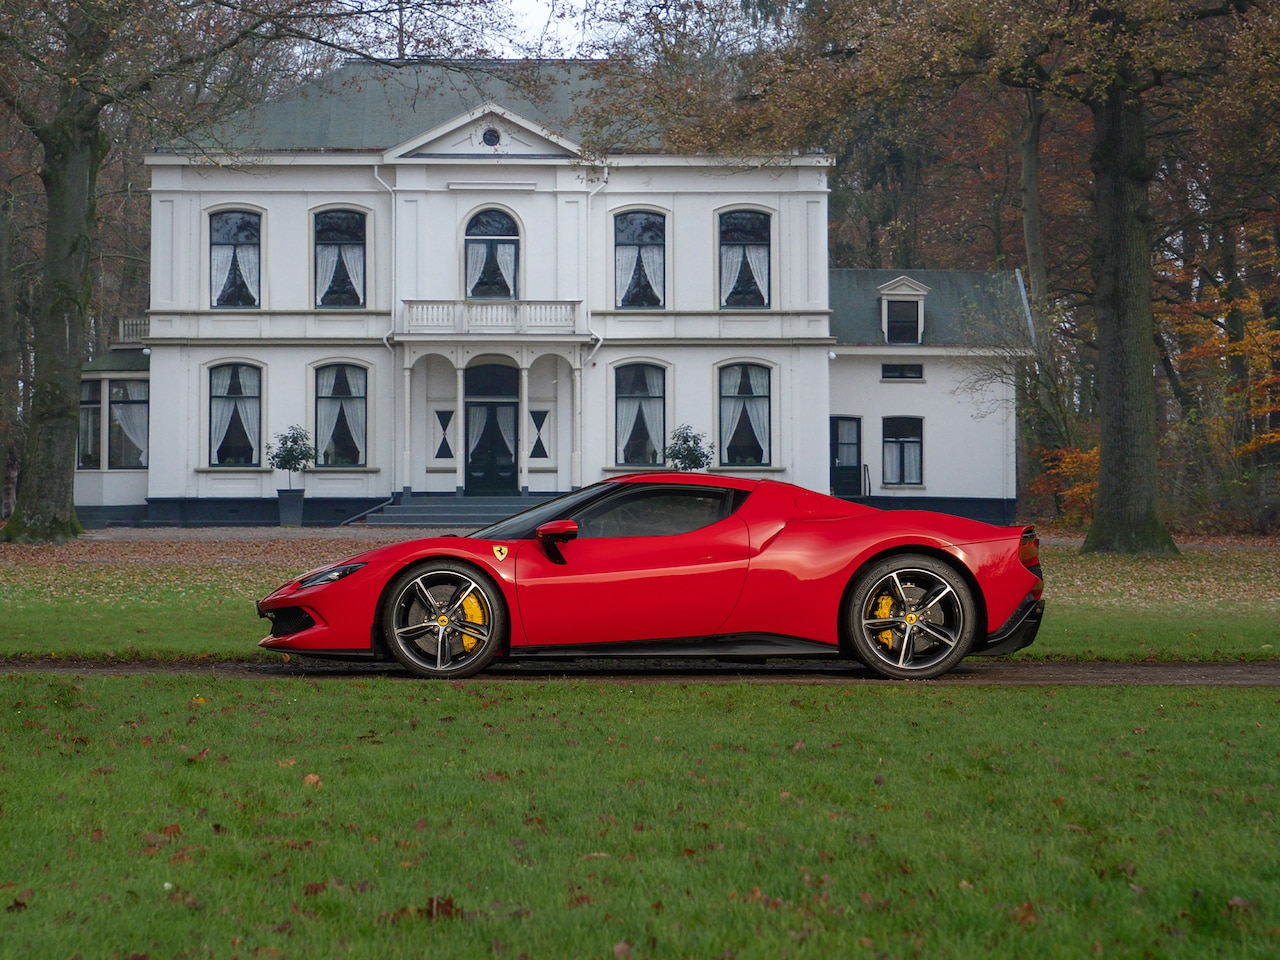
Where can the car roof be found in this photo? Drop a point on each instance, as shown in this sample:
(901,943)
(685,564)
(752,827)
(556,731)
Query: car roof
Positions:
(693,479)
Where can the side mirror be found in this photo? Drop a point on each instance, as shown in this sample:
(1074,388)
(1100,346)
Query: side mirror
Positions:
(555,532)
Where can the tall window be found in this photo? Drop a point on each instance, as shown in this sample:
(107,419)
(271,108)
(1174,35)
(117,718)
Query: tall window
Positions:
(127,443)
(492,252)
(640,413)
(902,321)
(744,415)
(234,258)
(340,258)
(903,450)
(341,392)
(89,456)
(744,259)
(235,411)
(639,259)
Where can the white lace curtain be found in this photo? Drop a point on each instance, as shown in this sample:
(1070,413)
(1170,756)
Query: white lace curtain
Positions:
(352,408)
(478,255)
(652,262)
(733,402)
(649,409)
(327,255)
(222,407)
(903,461)
(245,255)
(734,257)
(134,418)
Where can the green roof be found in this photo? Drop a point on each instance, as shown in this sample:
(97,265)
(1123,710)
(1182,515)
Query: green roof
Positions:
(963,308)
(373,106)
(119,361)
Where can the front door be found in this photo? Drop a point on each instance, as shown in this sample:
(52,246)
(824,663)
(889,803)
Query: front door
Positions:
(491,448)
(846,456)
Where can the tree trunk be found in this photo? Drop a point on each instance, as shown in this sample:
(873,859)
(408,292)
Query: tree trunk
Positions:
(10,345)
(74,148)
(1126,516)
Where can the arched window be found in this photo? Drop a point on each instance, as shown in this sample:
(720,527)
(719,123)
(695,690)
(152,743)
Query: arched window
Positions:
(640,413)
(744,415)
(492,256)
(235,412)
(340,258)
(639,259)
(744,259)
(341,405)
(235,238)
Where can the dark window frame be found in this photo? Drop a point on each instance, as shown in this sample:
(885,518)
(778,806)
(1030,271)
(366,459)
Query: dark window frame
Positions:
(331,234)
(899,436)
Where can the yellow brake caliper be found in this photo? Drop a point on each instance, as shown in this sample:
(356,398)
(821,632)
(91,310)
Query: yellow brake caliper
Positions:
(883,611)
(472,612)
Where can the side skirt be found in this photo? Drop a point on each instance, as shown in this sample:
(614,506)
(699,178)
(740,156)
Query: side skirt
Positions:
(753,646)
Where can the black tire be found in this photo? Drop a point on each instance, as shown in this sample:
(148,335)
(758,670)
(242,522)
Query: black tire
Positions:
(911,617)
(444,619)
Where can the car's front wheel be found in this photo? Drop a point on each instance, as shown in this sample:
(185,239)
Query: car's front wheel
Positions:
(444,619)
(911,618)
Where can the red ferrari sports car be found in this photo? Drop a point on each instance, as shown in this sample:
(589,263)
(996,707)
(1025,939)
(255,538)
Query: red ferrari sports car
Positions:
(677,565)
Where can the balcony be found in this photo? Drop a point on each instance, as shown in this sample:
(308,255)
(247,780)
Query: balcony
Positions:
(132,330)
(533,317)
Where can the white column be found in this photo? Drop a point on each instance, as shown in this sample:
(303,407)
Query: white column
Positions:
(406,422)
(460,419)
(522,430)
(575,469)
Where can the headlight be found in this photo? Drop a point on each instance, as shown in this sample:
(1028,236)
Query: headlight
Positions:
(331,575)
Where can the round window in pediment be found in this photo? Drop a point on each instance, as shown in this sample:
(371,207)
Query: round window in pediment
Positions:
(491,137)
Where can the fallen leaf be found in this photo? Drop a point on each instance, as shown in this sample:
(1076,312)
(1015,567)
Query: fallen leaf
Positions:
(1025,915)
(312,780)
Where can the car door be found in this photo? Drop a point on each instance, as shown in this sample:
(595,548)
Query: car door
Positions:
(651,562)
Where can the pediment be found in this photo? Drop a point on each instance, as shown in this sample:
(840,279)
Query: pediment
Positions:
(488,131)
(903,287)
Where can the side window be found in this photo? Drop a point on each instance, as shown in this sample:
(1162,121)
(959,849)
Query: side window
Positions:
(492,256)
(234,258)
(640,259)
(655,512)
(744,259)
(235,411)
(341,398)
(89,454)
(340,258)
(744,415)
(640,412)
(903,450)
(127,441)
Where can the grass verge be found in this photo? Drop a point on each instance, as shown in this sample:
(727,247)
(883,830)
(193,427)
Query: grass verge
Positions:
(1219,604)
(185,817)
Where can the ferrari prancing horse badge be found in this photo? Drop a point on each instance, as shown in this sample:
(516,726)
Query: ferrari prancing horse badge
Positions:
(500,552)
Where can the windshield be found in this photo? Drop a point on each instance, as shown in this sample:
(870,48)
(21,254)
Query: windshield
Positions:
(522,525)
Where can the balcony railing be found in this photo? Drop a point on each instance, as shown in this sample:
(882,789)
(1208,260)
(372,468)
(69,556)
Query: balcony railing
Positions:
(492,316)
(133,329)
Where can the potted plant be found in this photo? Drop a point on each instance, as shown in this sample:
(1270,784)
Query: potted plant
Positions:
(292,453)
(686,450)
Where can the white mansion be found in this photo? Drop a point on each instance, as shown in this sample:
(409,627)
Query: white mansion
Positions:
(419,266)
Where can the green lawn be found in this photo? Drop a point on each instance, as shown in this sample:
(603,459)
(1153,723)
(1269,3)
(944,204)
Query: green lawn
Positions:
(192,817)
(1220,604)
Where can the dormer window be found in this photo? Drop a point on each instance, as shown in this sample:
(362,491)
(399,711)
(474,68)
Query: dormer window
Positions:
(902,321)
(902,310)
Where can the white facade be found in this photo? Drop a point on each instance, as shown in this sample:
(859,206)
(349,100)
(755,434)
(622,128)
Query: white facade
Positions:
(517,319)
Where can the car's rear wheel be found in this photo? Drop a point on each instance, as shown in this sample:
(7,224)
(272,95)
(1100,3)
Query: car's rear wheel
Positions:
(911,617)
(444,619)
